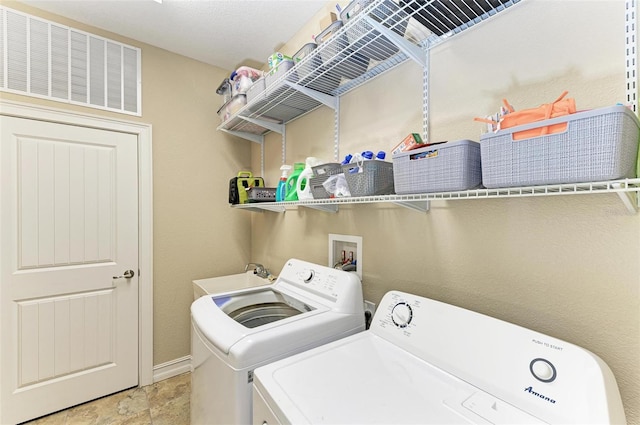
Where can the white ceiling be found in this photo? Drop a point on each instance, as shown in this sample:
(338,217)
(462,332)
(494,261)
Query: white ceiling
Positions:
(225,33)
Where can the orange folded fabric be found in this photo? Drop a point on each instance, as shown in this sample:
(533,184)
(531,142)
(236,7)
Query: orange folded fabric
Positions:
(557,108)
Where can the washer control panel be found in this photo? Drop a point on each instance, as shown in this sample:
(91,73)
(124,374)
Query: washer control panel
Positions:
(335,287)
(318,280)
(307,275)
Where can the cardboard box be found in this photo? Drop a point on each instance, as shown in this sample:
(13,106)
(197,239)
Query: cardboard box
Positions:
(412,141)
(327,20)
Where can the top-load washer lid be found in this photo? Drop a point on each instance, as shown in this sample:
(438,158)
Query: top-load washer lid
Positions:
(260,308)
(225,319)
(423,361)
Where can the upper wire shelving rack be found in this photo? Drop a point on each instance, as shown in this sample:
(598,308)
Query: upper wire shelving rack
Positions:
(376,39)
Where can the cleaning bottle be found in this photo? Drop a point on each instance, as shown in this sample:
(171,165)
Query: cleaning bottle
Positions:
(356,160)
(292,181)
(281,190)
(347,159)
(303,186)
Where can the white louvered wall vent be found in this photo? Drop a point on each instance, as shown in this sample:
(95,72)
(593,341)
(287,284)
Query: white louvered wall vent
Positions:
(48,60)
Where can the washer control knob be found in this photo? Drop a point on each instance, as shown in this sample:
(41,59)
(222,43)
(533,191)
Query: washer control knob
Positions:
(543,370)
(401,314)
(308,275)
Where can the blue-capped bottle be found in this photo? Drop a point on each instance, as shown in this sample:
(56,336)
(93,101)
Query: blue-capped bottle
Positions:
(380,156)
(367,155)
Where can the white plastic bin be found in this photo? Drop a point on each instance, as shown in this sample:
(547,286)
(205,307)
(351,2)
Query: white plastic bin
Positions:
(255,90)
(276,73)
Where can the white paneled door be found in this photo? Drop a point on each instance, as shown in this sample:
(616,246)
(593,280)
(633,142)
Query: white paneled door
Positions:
(68,236)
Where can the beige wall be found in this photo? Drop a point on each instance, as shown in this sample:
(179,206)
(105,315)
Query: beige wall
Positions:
(196,234)
(565,266)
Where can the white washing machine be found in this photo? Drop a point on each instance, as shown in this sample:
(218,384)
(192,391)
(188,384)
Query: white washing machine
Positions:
(427,362)
(234,332)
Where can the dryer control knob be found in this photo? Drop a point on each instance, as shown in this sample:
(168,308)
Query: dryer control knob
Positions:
(401,314)
(543,370)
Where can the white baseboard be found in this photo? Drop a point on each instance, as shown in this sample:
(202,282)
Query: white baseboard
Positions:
(171,368)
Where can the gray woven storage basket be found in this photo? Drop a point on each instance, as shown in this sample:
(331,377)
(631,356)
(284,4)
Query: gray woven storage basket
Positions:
(598,145)
(443,167)
(369,178)
(320,175)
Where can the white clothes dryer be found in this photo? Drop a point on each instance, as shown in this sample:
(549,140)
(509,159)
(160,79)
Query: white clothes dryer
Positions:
(234,332)
(426,362)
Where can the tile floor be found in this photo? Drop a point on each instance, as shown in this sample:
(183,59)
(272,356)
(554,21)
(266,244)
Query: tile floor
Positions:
(163,403)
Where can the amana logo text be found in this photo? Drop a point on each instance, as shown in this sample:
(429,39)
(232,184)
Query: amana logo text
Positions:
(542,396)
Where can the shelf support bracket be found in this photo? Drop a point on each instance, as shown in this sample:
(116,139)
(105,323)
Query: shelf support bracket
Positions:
(262,207)
(325,99)
(255,138)
(410,49)
(336,131)
(257,210)
(278,128)
(262,157)
(420,206)
(631,59)
(630,200)
(272,208)
(284,148)
(330,208)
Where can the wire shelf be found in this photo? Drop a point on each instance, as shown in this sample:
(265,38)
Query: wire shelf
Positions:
(380,36)
(627,189)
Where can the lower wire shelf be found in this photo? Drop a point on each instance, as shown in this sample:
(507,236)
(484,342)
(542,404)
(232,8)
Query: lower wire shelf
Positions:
(626,189)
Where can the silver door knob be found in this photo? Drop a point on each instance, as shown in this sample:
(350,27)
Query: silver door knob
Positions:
(127,275)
